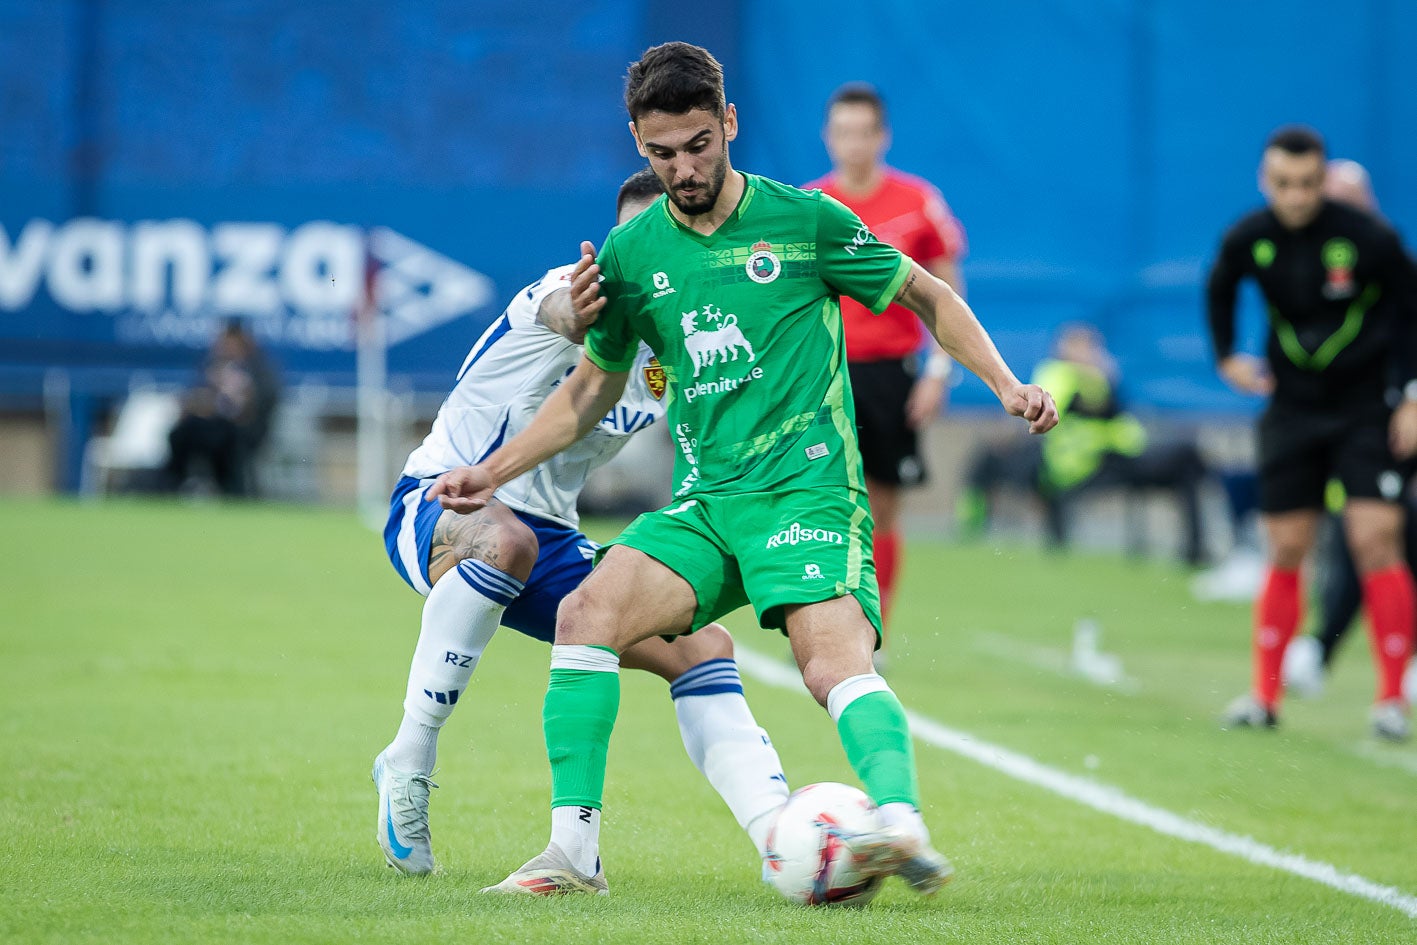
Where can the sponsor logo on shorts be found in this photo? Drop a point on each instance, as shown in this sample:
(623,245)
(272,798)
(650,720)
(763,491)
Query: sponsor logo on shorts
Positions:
(797,533)
(1390,485)
(813,572)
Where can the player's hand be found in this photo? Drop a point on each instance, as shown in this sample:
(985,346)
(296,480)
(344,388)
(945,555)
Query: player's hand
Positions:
(1034,404)
(586,300)
(923,404)
(463,489)
(1247,374)
(1402,431)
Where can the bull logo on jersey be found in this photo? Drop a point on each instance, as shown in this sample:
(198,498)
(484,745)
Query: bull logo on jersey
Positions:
(763,266)
(720,343)
(654,378)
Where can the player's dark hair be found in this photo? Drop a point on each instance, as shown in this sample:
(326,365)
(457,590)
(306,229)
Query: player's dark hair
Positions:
(675,78)
(644,184)
(859,93)
(1297,139)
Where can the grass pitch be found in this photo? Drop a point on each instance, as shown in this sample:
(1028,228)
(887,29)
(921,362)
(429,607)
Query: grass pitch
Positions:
(190,699)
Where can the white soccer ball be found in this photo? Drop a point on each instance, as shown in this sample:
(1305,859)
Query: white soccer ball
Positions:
(806,859)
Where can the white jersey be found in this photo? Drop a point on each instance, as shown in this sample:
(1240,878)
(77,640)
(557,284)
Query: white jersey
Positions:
(509,372)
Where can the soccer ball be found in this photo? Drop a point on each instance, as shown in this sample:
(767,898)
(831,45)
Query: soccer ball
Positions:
(806,859)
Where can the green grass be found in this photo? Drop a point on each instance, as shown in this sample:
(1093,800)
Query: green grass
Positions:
(190,698)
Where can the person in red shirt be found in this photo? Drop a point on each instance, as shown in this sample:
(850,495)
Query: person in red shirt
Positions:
(898,373)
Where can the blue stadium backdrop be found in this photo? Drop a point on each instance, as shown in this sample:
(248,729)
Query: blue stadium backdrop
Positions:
(166,165)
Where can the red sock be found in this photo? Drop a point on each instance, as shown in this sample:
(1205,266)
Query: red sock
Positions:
(887,557)
(1277,612)
(1388,597)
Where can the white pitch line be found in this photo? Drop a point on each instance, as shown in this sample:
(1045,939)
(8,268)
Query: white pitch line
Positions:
(1107,799)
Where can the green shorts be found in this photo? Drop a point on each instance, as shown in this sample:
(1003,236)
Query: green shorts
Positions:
(768,550)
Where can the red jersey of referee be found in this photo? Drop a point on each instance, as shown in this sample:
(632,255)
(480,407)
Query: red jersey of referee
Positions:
(908,213)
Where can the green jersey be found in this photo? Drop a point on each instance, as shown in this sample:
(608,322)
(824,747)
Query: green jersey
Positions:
(747,326)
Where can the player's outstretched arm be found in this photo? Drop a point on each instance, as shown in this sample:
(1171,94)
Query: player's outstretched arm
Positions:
(954,326)
(582,401)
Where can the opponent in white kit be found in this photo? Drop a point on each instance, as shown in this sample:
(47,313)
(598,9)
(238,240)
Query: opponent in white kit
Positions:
(512,562)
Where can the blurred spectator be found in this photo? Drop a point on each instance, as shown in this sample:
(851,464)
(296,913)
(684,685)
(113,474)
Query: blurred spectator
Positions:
(1095,445)
(898,372)
(226,416)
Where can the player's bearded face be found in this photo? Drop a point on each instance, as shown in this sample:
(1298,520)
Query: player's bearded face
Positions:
(695,190)
(689,154)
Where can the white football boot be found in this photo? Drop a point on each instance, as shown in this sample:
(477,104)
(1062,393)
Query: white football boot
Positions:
(893,851)
(550,873)
(1247,712)
(403,818)
(1390,721)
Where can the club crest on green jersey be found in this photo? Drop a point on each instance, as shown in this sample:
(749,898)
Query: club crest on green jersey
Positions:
(763,266)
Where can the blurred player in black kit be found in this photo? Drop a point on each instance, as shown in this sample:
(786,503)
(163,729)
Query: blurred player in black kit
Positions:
(1342,299)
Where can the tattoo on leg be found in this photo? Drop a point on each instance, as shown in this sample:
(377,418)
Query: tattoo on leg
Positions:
(463,536)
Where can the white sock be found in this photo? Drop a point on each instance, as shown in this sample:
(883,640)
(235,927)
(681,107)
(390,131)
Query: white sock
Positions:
(576,830)
(906,816)
(726,744)
(459,617)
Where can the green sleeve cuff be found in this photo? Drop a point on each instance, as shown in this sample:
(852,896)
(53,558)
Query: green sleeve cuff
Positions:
(605,364)
(887,295)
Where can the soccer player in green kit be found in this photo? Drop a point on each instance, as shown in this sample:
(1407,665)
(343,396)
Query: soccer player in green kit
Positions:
(734,281)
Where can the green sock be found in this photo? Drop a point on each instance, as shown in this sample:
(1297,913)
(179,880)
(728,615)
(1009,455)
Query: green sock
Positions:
(577,717)
(876,737)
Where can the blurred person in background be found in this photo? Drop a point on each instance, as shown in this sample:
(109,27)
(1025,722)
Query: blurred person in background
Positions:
(226,415)
(1097,444)
(1309,657)
(204,441)
(898,372)
(1342,297)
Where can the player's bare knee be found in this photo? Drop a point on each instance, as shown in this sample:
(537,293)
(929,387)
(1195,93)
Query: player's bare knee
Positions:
(1374,550)
(583,618)
(1288,557)
(821,676)
(517,547)
(492,535)
(713,642)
